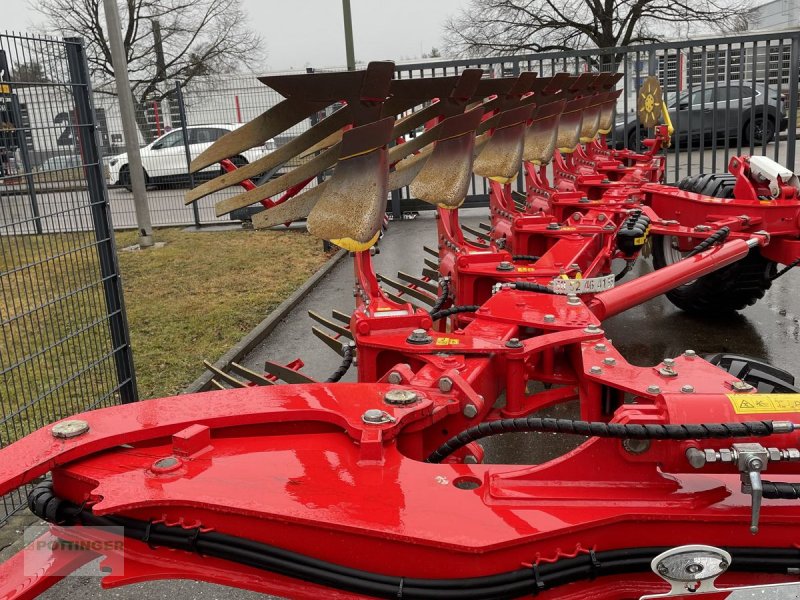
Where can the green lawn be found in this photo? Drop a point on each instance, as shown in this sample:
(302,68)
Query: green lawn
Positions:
(187,301)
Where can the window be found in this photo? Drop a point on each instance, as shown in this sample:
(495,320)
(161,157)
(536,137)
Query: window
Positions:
(172,139)
(206,135)
(701,97)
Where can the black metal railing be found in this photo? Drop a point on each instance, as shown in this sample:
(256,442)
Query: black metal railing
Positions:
(64,344)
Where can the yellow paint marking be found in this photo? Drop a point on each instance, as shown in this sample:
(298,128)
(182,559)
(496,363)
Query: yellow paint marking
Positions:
(750,404)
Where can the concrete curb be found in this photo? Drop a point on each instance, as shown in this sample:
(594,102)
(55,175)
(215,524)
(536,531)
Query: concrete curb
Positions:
(265,327)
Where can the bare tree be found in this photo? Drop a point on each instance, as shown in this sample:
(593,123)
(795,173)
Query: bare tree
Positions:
(497,27)
(198,37)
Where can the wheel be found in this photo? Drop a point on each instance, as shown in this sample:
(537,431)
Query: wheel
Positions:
(766,378)
(239,161)
(726,290)
(632,144)
(763,131)
(125,178)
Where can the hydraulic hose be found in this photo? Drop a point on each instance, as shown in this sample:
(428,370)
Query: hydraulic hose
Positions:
(509,584)
(606,430)
(786,269)
(454,310)
(347,349)
(442,298)
(715,238)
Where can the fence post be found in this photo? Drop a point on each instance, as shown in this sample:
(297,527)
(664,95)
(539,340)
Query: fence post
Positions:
(182,114)
(794,66)
(86,131)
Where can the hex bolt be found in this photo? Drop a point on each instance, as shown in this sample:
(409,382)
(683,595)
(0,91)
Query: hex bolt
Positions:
(419,336)
(576,216)
(591,328)
(394,377)
(505,266)
(375,416)
(445,384)
(669,362)
(583,199)
(573,300)
(470,410)
(595,370)
(687,389)
(69,429)
(600,347)
(601,217)
(514,343)
(609,361)
(399,398)
(690,354)
(549,318)
(553,226)
(166,463)
(653,389)
(636,446)
(575,266)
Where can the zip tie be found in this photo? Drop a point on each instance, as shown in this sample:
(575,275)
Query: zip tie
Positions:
(400,589)
(537,579)
(193,541)
(596,566)
(146,536)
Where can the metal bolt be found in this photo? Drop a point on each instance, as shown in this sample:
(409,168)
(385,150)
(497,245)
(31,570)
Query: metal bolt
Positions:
(653,389)
(165,463)
(595,370)
(514,343)
(470,410)
(573,300)
(553,226)
(394,377)
(375,416)
(667,372)
(549,318)
(583,199)
(600,347)
(576,216)
(69,429)
(687,389)
(400,397)
(636,446)
(741,386)
(591,328)
(669,362)
(470,460)
(419,336)
(505,266)
(601,217)
(690,354)
(609,361)
(575,266)
(445,384)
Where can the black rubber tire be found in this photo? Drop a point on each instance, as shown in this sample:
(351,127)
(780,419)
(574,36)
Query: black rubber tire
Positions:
(726,290)
(768,132)
(239,161)
(125,179)
(631,141)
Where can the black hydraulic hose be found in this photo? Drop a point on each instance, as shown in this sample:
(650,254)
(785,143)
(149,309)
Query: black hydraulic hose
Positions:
(606,430)
(786,269)
(715,238)
(529,286)
(454,310)
(780,490)
(442,298)
(347,349)
(625,271)
(530,257)
(509,584)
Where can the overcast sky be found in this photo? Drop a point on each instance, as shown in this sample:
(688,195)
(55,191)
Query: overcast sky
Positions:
(304,33)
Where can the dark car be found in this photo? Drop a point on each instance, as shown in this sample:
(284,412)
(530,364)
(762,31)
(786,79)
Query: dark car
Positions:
(729,110)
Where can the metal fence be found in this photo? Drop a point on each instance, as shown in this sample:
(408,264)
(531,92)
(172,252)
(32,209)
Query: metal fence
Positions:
(64,344)
(726,96)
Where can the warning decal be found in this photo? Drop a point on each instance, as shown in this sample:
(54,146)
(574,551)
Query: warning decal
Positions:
(749,404)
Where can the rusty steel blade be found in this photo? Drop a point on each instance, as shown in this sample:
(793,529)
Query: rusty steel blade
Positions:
(329,341)
(485,226)
(285,373)
(229,379)
(218,385)
(428,286)
(541,134)
(343,331)
(372,82)
(501,159)
(323,144)
(405,290)
(293,209)
(340,316)
(283,154)
(251,376)
(431,251)
(475,232)
(397,299)
(430,273)
(276,120)
(307,170)
(444,179)
(433,265)
(569,125)
(350,210)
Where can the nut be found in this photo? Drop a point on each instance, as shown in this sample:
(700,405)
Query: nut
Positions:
(470,410)
(399,397)
(69,429)
(445,384)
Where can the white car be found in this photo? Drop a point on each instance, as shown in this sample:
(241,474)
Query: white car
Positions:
(164,159)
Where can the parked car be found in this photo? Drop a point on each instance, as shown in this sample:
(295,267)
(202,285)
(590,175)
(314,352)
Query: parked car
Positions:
(164,159)
(729,111)
(60,169)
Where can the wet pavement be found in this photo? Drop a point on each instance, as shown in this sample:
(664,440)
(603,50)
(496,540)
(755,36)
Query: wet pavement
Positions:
(645,335)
